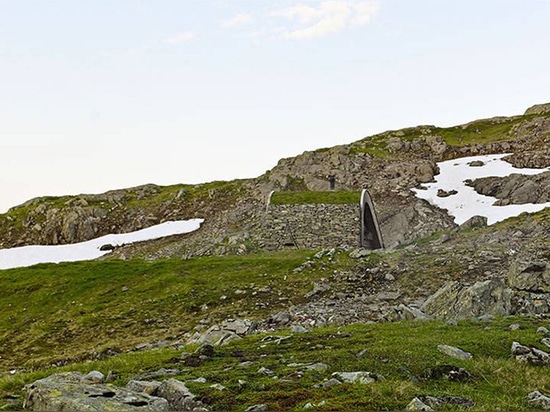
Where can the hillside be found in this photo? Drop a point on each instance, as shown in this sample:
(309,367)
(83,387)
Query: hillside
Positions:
(286,324)
(388,164)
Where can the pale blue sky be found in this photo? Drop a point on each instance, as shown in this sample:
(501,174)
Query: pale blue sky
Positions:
(105,94)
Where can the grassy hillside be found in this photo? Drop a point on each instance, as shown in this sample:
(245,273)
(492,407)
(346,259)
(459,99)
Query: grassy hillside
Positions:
(57,312)
(405,354)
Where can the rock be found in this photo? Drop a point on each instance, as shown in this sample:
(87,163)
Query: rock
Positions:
(404,312)
(328,383)
(318,289)
(318,367)
(531,276)
(539,400)
(179,397)
(514,326)
(297,328)
(107,247)
(359,253)
(357,377)
(454,352)
(148,387)
(417,405)
(543,331)
(446,193)
(265,371)
(66,391)
(437,402)
(453,300)
(529,354)
(280,318)
(449,372)
(476,163)
(257,408)
(545,342)
(538,109)
(474,222)
(229,330)
(94,377)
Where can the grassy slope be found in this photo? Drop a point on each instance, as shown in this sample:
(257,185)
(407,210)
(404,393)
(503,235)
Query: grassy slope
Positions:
(55,312)
(401,352)
(305,197)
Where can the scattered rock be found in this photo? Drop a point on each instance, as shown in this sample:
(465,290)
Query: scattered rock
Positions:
(357,377)
(514,326)
(539,400)
(531,276)
(529,354)
(257,408)
(179,397)
(449,372)
(318,289)
(454,352)
(417,405)
(543,331)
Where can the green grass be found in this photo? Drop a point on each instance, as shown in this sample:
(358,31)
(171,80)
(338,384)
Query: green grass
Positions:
(315,197)
(480,131)
(401,352)
(54,312)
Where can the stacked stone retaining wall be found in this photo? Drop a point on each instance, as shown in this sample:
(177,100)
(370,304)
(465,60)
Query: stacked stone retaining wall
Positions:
(311,226)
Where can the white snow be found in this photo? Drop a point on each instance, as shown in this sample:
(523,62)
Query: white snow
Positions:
(467,202)
(31,255)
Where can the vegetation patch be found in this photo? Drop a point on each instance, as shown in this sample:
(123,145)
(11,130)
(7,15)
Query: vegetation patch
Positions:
(314,197)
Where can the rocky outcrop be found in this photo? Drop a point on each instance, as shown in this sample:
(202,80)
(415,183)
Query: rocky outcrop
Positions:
(74,391)
(515,189)
(538,109)
(70,391)
(454,300)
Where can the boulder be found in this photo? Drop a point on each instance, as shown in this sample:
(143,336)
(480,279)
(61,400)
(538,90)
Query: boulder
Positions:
(454,300)
(529,354)
(539,400)
(530,276)
(357,377)
(179,397)
(72,391)
(454,352)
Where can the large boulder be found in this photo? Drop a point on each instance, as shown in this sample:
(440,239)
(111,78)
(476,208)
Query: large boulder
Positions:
(72,391)
(455,301)
(530,276)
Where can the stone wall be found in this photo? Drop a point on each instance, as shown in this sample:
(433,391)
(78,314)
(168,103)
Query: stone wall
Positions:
(311,226)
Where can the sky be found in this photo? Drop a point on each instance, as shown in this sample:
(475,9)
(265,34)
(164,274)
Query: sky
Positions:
(106,94)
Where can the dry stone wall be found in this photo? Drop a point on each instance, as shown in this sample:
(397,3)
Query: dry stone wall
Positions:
(311,226)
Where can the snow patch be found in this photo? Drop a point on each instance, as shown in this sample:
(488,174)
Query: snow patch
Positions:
(31,255)
(467,202)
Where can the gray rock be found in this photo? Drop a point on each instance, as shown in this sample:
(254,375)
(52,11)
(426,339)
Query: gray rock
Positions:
(297,328)
(179,397)
(545,342)
(94,377)
(318,367)
(529,354)
(454,352)
(539,400)
(531,276)
(65,391)
(453,300)
(257,408)
(543,331)
(148,387)
(514,326)
(328,383)
(417,405)
(357,377)
(318,289)
(474,222)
